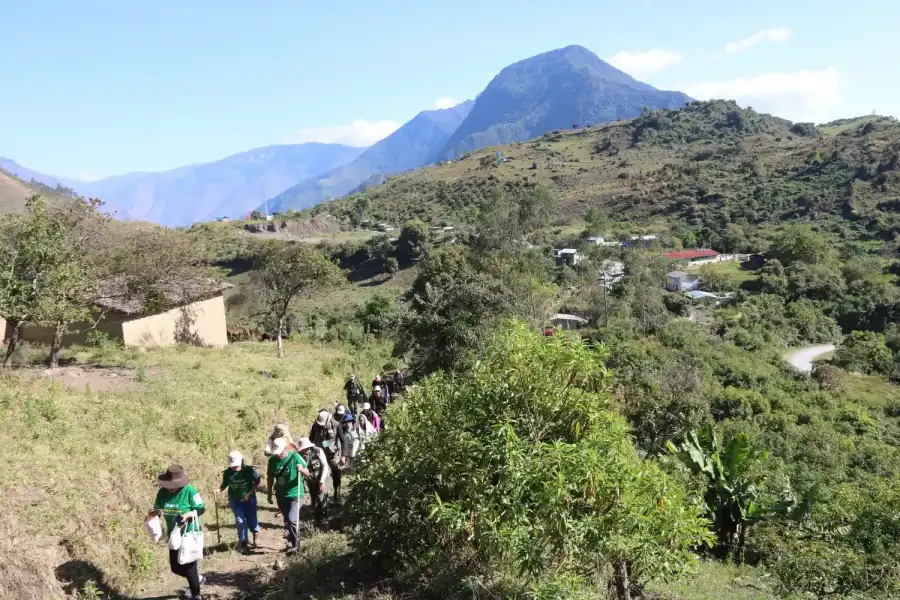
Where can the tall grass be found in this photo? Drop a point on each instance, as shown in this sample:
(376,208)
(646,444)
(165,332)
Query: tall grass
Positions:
(81,465)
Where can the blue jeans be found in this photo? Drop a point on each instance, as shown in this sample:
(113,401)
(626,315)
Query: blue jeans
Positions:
(245,517)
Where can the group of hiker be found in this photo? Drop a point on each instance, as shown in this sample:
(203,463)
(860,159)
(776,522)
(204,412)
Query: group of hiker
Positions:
(294,468)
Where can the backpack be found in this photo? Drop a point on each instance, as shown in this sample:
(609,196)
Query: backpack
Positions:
(327,438)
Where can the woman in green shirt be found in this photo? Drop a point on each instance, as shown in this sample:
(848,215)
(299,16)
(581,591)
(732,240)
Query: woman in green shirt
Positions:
(180,504)
(283,474)
(242,481)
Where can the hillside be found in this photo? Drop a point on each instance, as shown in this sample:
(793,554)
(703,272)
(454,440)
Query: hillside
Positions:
(26,174)
(706,165)
(413,145)
(553,90)
(233,186)
(12,194)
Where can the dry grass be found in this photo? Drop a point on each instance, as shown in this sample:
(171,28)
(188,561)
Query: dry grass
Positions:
(83,461)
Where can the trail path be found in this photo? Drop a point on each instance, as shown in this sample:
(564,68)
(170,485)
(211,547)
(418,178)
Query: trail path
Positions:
(802,358)
(229,574)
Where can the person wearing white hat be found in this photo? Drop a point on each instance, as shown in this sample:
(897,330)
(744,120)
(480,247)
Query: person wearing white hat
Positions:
(284,478)
(371,416)
(317,463)
(242,481)
(326,433)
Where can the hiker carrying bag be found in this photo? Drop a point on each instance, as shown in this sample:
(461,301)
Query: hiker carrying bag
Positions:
(153,528)
(191,549)
(175,538)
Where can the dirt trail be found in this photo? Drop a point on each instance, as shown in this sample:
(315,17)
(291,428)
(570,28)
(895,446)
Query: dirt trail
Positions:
(229,574)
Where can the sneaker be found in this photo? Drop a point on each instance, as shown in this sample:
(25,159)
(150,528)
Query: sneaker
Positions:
(190,595)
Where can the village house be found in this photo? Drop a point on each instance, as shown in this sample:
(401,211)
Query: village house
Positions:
(638,240)
(567,256)
(599,240)
(197,317)
(753,262)
(693,257)
(679,281)
(611,272)
(568,322)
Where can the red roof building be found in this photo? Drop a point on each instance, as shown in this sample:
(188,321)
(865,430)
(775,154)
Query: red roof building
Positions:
(691,254)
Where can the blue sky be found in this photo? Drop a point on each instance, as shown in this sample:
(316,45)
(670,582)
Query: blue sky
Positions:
(100,87)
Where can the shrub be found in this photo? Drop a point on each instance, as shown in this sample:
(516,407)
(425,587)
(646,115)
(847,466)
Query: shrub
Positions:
(96,339)
(525,468)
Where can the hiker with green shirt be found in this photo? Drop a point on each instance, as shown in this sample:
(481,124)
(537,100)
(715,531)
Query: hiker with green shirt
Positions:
(284,475)
(242,481)
(181,506)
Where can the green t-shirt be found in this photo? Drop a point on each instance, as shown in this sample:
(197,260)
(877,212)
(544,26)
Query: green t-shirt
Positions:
(283,472)
(239,482)
(177,503)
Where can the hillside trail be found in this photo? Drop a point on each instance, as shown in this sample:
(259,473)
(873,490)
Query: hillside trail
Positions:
(230,575)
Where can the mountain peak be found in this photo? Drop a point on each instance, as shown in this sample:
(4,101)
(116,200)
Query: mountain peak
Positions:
(553,90)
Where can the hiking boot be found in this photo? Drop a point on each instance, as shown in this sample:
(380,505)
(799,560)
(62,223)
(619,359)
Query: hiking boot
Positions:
(255,545)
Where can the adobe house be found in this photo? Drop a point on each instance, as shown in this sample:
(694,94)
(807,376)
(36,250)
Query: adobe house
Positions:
(198,318)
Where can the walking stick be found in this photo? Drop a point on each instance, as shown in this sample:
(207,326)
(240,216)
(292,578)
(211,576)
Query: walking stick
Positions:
(218,527)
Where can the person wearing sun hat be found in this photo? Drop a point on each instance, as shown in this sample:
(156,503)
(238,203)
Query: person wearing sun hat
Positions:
(281,430)
(181,505)
(318,476)
(242,481)
(326,433)
(284,478)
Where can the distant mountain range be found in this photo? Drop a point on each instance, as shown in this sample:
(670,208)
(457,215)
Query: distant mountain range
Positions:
(414,145)
(554,90)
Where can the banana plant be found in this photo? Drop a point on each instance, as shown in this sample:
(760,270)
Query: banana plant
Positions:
(732,493)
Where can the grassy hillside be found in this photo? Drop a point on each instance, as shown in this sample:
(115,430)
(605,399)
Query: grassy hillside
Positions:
(86,442)
(706,165)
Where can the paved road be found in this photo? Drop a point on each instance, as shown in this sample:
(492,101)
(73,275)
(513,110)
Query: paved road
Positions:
(802,358)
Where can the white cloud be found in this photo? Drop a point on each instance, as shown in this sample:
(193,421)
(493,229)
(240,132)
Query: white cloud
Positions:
(359,133)
(442,103)
(644,63)
(805,95)
(775,34)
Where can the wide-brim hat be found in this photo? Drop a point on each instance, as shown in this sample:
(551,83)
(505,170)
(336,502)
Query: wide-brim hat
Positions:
(322,417)
(305,443)
(174,477)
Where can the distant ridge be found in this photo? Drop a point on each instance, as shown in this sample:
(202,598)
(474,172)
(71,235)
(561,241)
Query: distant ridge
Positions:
(414,145)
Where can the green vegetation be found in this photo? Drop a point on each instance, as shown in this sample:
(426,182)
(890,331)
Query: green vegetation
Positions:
(666,448)
(523,476)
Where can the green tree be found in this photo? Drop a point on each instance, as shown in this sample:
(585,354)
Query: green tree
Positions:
(865,352)
(413,242)
(378,315)
(454,307)
(290,270)
(799,243)
(49,275)
(531,471)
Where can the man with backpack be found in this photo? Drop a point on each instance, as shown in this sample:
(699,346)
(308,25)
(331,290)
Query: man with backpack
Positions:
(317,464)
(356,395)
(327,434)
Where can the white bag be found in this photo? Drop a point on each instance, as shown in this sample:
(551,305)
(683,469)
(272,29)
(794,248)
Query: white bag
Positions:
(153,528)
(175,538)
(191,547)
